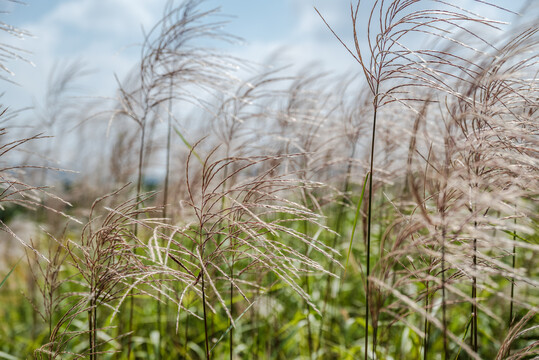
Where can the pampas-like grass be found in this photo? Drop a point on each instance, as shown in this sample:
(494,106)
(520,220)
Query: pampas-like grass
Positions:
(10,53)
(172,67)
(107,270)
(243,227)
(263,206)
(394,72)
(15,190)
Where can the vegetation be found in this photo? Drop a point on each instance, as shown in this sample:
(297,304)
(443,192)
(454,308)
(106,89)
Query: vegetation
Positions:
(389,216)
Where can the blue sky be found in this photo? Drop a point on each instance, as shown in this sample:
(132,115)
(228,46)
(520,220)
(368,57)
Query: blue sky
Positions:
(103,34)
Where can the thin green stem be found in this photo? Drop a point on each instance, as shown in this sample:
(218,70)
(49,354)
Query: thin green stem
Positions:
(231,336)
(338,226)
(92,328)
(167,156)
(139,190)
(308,290)
(130,323)
(426,324)
(468,325)
(474,298)
(186,348)
(514,256)
(90,335)
(206,335)
(354,227)
(444,305)
(140,166)
(165,207)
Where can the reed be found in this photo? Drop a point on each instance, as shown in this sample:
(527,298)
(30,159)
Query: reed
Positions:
(258,202)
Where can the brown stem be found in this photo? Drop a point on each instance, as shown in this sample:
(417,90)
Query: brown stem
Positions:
(369,215)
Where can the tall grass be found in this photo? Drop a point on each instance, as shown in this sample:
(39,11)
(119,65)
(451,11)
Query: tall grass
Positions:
(259,205)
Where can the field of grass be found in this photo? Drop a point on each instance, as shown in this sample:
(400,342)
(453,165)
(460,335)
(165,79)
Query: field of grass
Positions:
(389,215)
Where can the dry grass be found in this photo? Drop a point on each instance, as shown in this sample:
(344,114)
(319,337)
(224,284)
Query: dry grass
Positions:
(258,206)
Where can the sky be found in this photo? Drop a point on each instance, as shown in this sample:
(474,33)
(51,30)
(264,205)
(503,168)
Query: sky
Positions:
(104,36)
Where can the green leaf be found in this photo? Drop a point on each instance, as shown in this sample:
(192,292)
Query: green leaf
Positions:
(360,201)
(9,273)
(4,355)
(188,144)
(464,336)
(230,327)
(514,234)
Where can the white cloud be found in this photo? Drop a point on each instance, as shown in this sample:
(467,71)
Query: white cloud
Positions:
(102,34)
(116,18)
(336,13)
(309,41)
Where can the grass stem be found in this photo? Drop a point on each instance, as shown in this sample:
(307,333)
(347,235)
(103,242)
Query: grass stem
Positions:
(369,217)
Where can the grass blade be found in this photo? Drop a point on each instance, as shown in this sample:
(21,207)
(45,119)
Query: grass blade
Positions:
(356,217)
(9,273)
(231,326)
(188,144)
